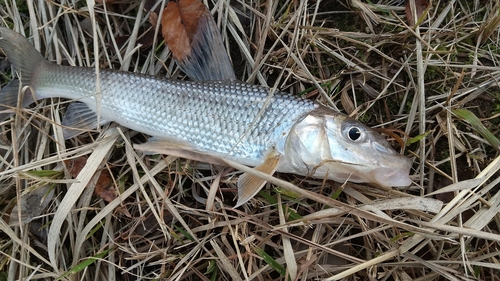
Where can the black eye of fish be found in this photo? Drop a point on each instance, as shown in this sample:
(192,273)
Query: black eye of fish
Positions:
(354,133)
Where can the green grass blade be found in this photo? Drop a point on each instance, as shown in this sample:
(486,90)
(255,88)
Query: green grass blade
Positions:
(185,233)
(270,261)
(417,138)
(212,270)
(292,215)
(476,124)
(84,264)
(45,173)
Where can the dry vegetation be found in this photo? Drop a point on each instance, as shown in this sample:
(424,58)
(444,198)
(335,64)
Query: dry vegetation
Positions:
(173,218)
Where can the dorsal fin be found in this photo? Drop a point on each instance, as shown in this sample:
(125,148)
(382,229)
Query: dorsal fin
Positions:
(206,58)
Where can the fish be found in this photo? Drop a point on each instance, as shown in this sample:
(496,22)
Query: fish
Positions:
(211,117)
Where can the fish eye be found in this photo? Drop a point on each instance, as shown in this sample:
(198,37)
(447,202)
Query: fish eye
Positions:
(354,133)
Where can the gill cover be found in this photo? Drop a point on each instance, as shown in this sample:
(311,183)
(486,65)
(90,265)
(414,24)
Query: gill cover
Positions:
(327,144)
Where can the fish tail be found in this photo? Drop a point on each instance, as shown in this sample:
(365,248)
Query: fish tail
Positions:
(25,59)
(21,54)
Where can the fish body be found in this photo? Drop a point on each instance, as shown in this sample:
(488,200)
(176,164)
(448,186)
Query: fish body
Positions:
(224,119)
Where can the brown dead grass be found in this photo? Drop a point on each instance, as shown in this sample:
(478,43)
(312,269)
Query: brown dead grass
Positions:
(173,218)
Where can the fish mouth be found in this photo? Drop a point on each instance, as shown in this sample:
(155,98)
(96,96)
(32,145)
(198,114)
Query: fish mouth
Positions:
(387,177)
(392,176)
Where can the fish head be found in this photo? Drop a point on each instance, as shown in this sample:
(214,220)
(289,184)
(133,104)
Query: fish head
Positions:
(327,144)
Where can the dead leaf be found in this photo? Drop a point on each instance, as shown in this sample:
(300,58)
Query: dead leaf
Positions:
(74,166)
(392,133)
(153,19)
(420,5)
(179,25)
(32,205)
(191,12)
(104,187)
(346,100)
(103,184)
(173,31)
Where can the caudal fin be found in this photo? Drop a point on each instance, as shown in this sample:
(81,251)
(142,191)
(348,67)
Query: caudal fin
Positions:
(21,54)
(25,59)
(9,99)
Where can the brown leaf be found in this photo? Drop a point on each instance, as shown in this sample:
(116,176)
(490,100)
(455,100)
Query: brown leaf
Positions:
(75,165)
(104,187)
(173,31)
(392,133)
(103,184)
(153,19)
(191,12)
(346,100)
(179,25)
(420,5)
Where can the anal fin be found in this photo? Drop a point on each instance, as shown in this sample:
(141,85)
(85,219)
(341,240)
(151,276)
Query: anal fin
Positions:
(82,118)
(249,185)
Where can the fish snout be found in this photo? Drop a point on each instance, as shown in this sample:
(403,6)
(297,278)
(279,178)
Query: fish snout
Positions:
(396,175)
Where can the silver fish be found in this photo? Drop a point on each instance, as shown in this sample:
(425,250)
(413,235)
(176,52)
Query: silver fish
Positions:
(225,119)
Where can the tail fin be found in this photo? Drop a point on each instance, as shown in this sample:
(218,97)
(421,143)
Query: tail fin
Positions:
(9,97)
(21,54)
(25,59)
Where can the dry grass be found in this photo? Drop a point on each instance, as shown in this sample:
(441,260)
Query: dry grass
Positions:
(173,218)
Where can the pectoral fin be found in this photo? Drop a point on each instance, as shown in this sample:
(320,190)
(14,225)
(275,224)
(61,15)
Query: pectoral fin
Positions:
(249,185)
